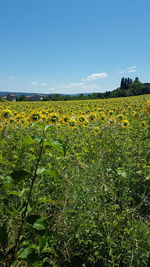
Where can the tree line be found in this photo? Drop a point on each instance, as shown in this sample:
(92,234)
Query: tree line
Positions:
(128,87)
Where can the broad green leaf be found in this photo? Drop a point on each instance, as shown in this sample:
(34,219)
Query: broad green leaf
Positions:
(40,224)
(48,249)
(27,141)
(40,170)
(56,144)
(3,236)
(39,125)
(24,254)
(29,255)
(52,172)
(148,177)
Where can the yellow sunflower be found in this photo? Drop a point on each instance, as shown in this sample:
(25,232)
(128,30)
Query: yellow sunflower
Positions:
(120,117)
(53,118)
(125,123)
(72,123)
(81,119)
(65,119)
(92,116)
(35,116)
(110,112)
(6,114)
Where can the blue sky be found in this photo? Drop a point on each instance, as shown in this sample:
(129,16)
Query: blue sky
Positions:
(72,46)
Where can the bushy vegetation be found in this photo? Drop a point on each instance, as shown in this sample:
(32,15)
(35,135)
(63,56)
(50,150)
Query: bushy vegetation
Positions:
(74,183)
(128,87)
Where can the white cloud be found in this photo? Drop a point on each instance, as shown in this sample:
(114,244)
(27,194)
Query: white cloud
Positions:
(95,76)
(11,77)
(43,84)
(131,69)
(34,82)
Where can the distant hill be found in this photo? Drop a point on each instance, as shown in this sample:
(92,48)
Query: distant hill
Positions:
(4,93)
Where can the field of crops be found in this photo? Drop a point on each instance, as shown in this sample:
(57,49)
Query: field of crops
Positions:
(75,183)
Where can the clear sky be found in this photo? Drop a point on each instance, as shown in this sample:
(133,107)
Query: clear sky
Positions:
(72,46)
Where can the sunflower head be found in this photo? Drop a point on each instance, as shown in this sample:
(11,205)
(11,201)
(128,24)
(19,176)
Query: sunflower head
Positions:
(125,123)
(120,117)
(72,123)
(110,112)
(81,119)
(53,118)
(65,119)
(92,116)
(6,114)
(133,113)
(35,116)
(143,124)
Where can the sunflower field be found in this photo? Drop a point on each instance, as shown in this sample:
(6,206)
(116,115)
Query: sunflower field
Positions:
(75,183)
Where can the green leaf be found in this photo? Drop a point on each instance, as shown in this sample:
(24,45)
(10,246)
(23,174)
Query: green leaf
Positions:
(24,254)
(40,170)
(19,174)
(40,224)
(122,173)
(27,141)
(59,145)
(13,193)
(3,236)
(148,177)
(45,200)
(29,255)
(48,249)
(53,173)
(39,125)
(46,127)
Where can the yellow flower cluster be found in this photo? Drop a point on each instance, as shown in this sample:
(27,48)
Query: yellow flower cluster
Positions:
(118,112)
(148,105)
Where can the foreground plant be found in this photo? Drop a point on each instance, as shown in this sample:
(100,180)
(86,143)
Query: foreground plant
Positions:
(10,252)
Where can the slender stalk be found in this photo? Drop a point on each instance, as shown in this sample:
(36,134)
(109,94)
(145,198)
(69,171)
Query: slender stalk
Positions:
(23,215)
